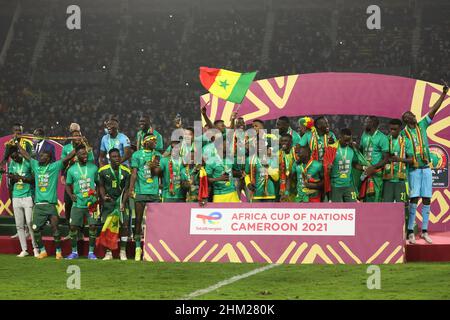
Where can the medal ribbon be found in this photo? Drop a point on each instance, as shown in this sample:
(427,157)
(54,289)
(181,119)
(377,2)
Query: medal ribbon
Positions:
(342,156)
(115,177)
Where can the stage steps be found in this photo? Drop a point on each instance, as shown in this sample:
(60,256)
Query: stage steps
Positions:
(438,251)
(12,246)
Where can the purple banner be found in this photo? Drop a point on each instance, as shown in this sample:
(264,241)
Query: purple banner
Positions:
(351,94)
(332,233)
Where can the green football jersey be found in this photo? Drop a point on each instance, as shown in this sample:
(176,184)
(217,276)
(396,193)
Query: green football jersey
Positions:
(295,137)
(21,189)
(178,191)
(414,136)
(146,183)
(261,174)
(46,181)
(322,141)
(114,181)
(83,178)
(313,171)
(373,146)
(400,147)
(341,171)
(188,174)
(215,169)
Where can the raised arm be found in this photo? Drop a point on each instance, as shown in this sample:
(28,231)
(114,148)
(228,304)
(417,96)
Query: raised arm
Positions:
(233,119)
(69,157)
(438,103)
(23,152)
(207,120)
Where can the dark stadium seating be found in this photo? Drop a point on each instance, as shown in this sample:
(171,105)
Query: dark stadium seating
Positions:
(143,56)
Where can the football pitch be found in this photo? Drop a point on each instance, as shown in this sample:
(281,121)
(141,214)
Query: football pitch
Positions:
(28,278)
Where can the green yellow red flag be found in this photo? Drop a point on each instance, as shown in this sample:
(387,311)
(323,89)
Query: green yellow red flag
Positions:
(225,84)
(110,231)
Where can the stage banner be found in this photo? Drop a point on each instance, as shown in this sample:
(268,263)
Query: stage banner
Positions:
(332,233)
(353,94)
(5,201)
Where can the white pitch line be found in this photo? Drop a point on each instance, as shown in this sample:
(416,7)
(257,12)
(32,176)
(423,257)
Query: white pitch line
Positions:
(228,281)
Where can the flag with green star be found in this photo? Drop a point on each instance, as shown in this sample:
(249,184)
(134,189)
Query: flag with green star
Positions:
(109,235)
(228,85)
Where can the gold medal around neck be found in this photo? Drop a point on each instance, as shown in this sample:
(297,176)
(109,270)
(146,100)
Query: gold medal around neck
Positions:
(343,176)
(149,180)
(43,189)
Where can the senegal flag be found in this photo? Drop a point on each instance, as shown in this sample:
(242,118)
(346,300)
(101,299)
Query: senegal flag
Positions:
(228,85)
(110,231)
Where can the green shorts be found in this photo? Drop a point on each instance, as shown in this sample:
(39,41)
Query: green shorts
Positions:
(42,213)
(343,194)
(77,217)
(394,191)
(147,198)
(108,207)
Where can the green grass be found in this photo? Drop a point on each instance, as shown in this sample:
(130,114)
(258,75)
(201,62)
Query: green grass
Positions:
(29,278)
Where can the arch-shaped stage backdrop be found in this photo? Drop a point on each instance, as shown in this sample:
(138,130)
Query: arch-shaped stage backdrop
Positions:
(352,94)
(5,202)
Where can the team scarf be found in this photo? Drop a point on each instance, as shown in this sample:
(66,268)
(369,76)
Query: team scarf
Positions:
(314,143)
(253,174)
(235,147)
(202,182)
(304,172)
(171,174)
(148,138)
(409,134)
(401,165)
(325,144)
(285,168)
(328,159)
(369,184)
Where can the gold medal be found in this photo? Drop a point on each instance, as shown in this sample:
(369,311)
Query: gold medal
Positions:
(43,189)
(149,180)
(343,176)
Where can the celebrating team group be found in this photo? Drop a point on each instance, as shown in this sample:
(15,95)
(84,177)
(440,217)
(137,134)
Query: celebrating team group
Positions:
(307,163)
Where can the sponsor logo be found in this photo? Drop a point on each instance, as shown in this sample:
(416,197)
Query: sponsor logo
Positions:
(439,166)
(212,218)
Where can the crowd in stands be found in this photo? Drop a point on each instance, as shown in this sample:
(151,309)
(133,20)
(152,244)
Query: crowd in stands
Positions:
(159,52)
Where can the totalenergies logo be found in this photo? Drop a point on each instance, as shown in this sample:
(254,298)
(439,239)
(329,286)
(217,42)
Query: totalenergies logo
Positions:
(212,218)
